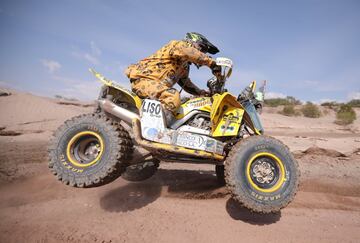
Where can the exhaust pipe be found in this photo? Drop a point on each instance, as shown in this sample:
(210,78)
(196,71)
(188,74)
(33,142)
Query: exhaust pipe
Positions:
(118,111)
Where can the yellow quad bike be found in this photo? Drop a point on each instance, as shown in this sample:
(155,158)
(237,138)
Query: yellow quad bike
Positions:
(128,136)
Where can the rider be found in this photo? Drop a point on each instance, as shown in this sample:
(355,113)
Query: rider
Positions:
(154,76)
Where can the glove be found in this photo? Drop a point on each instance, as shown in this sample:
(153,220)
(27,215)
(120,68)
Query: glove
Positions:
(204,92)
(216,69)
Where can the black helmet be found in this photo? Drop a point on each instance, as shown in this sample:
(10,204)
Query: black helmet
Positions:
(205,45)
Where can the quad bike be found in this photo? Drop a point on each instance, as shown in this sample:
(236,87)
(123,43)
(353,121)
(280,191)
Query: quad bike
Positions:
(127,136)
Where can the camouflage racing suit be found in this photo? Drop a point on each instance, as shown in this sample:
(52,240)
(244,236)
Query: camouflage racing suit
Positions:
(154,76)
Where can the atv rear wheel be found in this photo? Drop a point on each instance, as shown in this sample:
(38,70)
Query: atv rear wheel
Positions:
(89,150)
(262,174)
(141,171)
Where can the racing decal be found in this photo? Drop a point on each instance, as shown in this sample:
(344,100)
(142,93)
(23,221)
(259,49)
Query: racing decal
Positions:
(198,102)
(151,132)
(68,165)
(152,121)
(152,108)
(191,141)
(265,198)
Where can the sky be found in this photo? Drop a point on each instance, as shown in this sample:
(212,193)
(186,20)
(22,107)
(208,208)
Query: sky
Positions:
(309,49)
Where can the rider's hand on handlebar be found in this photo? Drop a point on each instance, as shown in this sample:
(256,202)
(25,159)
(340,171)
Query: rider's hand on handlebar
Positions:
(204,92)
(216,69)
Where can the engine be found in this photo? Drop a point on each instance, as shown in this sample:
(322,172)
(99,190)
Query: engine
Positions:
(199,124)
(201,121)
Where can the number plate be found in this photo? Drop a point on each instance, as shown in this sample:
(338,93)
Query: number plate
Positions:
(152,121)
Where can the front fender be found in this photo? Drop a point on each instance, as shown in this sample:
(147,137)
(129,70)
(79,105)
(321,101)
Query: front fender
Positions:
(227,114)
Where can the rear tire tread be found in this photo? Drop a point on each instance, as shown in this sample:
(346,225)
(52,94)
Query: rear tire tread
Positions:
(121,147)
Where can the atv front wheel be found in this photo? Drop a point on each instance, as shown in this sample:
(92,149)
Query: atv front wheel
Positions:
(262,174)
(89,150)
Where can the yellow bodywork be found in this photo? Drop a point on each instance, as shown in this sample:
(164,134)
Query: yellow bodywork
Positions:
(201,104)
(128,96)
(253,86)
(226,115)
(229,124)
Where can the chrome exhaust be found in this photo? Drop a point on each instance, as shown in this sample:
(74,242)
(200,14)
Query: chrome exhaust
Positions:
(118,111)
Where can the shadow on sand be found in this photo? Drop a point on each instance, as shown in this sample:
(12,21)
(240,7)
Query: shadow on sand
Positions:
(237,212)
(130,197)
(176,183)
(179,184)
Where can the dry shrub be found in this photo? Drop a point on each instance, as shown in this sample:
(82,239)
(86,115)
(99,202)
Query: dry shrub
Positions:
(354,103)
(332,105)
(275,102)
(289,110)
(311,110)
(345,115)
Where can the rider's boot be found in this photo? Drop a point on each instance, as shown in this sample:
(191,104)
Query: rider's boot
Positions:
(169,117)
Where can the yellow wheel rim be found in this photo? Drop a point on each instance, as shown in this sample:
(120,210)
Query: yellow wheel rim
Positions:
(281,177)
(74,140)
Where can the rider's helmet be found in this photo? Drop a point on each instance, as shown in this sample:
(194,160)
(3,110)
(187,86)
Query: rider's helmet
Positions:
(203,43)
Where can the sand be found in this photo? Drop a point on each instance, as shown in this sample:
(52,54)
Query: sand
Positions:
(182,202)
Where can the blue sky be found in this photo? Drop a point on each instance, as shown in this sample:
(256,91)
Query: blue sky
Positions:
(307,49)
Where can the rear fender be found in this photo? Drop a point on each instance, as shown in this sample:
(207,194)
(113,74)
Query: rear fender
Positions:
(123,94)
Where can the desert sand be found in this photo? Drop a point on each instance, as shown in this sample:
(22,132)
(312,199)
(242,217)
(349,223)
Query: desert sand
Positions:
(182,202)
